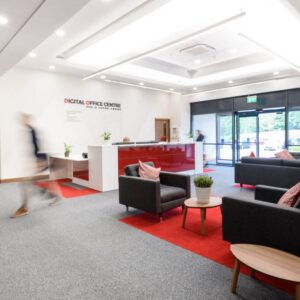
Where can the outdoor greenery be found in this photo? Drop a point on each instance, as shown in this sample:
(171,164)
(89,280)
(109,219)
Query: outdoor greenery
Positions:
(203,181)
(225,126)
(294,120)
(267,122)
(294,148)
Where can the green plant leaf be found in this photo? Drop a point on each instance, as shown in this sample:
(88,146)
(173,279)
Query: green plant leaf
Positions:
(203,181)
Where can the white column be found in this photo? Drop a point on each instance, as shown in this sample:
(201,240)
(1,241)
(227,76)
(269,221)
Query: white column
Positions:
(198,157)
(103,167)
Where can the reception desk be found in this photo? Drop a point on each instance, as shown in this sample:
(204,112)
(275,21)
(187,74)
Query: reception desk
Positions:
(169,157)
(106,163)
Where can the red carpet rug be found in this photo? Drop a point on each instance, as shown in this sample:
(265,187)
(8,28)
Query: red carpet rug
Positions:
(207,170)
(210,246)
(68,191)
(245,186)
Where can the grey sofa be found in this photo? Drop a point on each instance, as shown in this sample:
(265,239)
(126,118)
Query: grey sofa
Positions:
(267,171)
(150,195)
(262,221)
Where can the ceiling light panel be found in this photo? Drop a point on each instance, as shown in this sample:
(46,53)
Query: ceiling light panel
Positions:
(163,25)
(3,20)
(271,24)
(238,73)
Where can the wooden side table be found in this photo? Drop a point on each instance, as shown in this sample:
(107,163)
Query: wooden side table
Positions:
(192,203)
(266,260)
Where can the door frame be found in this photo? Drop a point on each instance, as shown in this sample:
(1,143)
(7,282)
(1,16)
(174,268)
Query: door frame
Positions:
(254,113)
(168,127)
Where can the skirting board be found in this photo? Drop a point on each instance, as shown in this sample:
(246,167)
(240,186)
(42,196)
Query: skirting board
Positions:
(20,179)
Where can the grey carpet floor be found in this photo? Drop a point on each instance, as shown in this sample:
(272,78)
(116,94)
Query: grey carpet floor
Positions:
(79,250)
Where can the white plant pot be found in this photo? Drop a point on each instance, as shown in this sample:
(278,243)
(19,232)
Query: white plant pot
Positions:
(107,143)
(203,195)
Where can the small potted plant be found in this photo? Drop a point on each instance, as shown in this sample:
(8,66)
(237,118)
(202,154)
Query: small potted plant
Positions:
(67,149)
(203,185)
(190,136)
(106,136)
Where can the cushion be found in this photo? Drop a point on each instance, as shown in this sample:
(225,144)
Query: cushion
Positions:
(291,196)
(284,154)
(133,170)
(148,172)
(252,154)
(169,193)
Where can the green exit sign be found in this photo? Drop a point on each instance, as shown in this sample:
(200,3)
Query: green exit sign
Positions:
(252,99)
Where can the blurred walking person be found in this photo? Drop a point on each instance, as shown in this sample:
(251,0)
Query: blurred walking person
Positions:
(40,164)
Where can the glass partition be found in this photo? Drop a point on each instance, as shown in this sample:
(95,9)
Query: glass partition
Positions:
(224,139)
(207,125)
(294,130)
(247,134)
(271,133)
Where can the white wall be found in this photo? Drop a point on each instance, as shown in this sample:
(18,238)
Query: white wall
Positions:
(42,94)
(180,116)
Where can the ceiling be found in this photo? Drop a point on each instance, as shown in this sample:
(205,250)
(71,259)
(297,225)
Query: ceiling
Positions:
(29,23)
(161,44)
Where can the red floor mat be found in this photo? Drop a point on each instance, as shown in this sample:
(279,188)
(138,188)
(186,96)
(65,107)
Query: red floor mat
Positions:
(210,246)
(207,170)
(67,191)
(245,186)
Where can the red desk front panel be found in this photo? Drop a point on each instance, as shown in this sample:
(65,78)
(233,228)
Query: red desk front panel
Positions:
(173,158)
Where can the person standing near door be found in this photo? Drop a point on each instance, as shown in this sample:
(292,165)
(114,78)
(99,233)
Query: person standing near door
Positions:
(200,136)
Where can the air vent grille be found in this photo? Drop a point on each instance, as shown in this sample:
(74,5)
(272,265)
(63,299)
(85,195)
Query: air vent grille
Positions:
(197,49)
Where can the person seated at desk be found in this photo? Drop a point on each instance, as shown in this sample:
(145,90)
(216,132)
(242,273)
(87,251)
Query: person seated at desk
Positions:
(126,139)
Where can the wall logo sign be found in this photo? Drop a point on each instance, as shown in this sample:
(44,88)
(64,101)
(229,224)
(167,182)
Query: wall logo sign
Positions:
(91,104)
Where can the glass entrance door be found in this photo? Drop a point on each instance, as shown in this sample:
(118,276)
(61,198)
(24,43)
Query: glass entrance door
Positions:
(271,132)
(261,133)
(247,134)
(224,139)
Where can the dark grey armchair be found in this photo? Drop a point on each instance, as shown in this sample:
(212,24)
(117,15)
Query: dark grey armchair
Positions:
(262,221)
(150,195)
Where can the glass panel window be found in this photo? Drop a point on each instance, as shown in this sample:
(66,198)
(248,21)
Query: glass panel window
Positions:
(294,130)
(224,144)
(247,135)
(271,133)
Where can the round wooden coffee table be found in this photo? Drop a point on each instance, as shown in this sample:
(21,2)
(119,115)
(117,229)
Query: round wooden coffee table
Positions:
(192,203)
(266,260)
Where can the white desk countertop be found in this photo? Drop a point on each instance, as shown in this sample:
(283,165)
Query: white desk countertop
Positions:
(73,157)
(156,144)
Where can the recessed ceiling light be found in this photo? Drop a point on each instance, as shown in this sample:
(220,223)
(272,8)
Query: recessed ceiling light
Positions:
(141,83)
(197,61)
(171,89)
(230,81)
(51,67)
(233,51)
(32,54)
(3,20)
(195,88)
(103,76)
(60,33)
(276,73)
